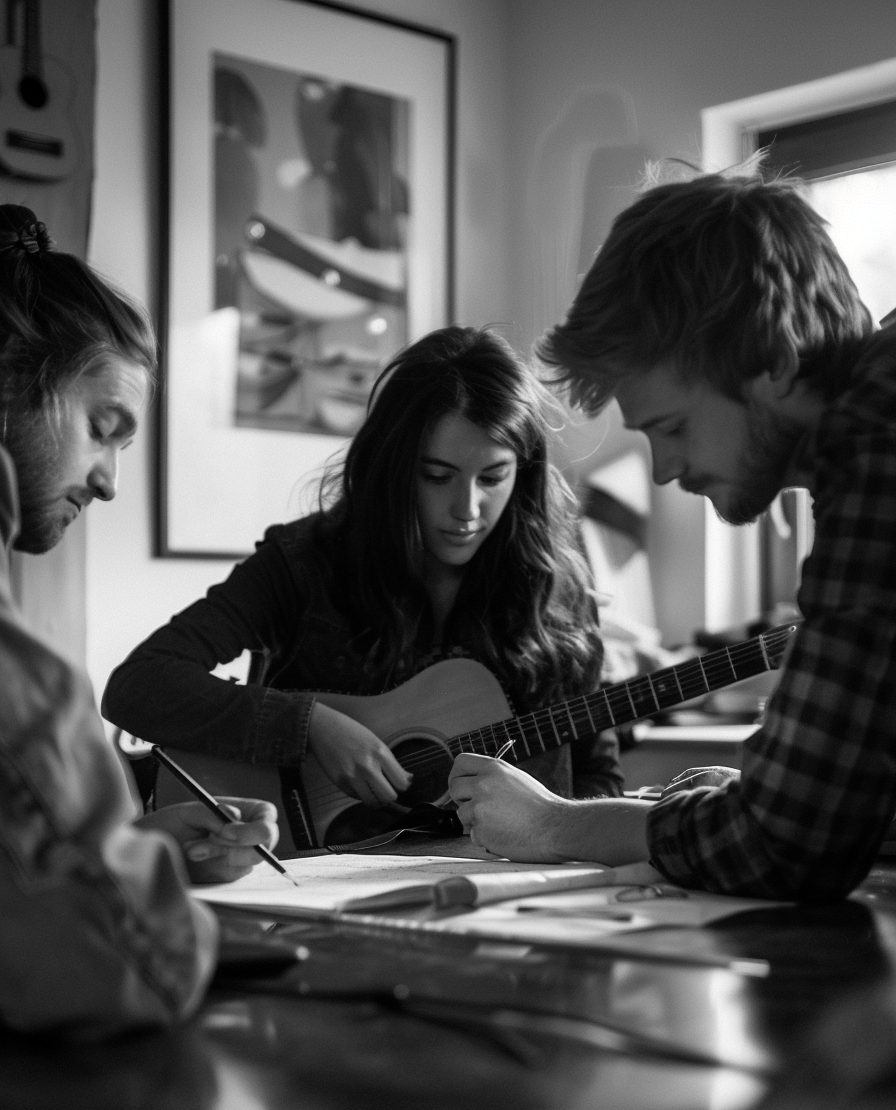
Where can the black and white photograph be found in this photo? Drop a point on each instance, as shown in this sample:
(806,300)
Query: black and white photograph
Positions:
(447,554)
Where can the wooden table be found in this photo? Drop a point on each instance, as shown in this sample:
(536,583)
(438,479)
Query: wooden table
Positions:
(370,1020)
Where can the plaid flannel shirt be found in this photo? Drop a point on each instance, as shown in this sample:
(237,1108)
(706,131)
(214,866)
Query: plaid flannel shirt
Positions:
(818,786)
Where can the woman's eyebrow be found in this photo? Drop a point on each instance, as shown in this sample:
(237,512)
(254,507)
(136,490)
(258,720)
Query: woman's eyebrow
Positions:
(432,461)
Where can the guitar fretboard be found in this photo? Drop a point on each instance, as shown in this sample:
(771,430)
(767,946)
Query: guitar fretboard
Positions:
(623,702)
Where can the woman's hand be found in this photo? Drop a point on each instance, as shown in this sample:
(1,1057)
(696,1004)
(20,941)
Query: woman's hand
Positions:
(215,852)
(355,759)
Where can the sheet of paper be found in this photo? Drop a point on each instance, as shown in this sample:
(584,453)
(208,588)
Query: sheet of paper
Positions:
(611,920)
(601,925)
(579,914)
(328,882)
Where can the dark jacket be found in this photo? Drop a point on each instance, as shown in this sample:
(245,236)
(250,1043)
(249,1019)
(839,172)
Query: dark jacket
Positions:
(285,602)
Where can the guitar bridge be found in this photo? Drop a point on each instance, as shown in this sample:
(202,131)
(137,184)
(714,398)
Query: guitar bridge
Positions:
(35,144)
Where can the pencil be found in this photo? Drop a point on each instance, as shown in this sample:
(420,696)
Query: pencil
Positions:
(209,802)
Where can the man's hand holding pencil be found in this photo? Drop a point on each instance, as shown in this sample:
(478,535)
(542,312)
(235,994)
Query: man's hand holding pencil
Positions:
(215,852)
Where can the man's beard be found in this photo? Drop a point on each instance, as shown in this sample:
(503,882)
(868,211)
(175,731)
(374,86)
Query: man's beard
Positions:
(771,444)
(29,438)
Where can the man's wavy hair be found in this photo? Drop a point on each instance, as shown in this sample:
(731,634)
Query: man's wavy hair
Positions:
(525,600)
(721,277)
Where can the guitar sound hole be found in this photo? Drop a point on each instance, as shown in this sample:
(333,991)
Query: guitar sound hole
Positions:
(33,92)
(429,763)
(361,822)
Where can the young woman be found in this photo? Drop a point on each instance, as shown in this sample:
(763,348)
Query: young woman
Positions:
(447,533)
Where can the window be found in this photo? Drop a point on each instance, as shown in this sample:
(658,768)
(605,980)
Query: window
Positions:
(840,134)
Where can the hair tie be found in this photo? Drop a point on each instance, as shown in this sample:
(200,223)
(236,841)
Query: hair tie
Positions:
(31,238)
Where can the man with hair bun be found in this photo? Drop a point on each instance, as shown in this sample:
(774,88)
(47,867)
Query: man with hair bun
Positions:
(720,316)
(97,932)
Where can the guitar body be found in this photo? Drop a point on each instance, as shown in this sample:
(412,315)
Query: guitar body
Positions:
(456,706)
(36,143)
(416,720)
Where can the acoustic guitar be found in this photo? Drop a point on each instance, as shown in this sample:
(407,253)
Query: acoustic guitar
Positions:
(454,706)
(37,134)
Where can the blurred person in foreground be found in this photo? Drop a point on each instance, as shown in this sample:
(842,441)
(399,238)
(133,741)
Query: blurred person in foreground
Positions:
(98,934)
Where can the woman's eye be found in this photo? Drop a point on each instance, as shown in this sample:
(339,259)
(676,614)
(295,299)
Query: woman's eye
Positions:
(437,479)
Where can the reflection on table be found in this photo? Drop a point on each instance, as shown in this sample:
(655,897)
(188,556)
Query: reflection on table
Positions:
(368,1018)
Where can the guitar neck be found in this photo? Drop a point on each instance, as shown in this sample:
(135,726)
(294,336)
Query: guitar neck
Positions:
(623,702)
(32,57)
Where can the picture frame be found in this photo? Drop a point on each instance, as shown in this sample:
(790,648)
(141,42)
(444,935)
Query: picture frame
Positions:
(307,235)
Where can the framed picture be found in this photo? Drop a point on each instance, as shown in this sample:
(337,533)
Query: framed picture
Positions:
(307,236)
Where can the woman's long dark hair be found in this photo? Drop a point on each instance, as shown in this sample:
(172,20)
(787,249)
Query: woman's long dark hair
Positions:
(525,606)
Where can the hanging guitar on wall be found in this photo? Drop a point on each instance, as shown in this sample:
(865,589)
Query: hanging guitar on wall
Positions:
(37,136)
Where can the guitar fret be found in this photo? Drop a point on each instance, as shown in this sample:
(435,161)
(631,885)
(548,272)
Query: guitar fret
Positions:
(631,700)
(512,731)
(580,716)
(505,738)
(691,679)
(566,732)
(523,735)
(609,707)
(666,687)
(587,709)
(539,738)
(752,661)
(703,672)
(641,697)
(623,704)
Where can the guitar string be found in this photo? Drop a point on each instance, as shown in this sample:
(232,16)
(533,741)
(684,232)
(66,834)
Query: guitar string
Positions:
(540,718)
(713,666)
(412,762)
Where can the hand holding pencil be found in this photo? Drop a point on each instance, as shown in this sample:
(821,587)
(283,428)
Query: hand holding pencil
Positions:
(221,840)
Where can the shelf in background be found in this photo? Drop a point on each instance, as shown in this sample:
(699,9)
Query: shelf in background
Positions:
(663,751)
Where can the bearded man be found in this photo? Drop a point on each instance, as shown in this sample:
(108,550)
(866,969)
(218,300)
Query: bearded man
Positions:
(98,934)
(720,316)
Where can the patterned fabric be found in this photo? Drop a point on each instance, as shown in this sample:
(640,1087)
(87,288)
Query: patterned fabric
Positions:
(818,787)
(97,933)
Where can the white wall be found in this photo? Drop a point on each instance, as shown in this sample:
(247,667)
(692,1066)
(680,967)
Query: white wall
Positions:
(632,76)
(129,593)
(533,76)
